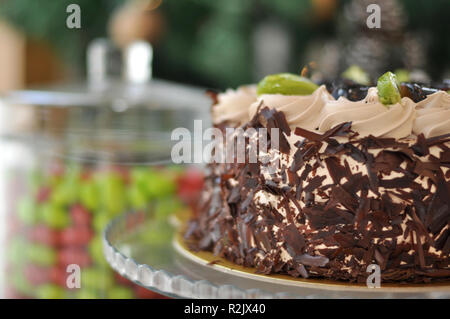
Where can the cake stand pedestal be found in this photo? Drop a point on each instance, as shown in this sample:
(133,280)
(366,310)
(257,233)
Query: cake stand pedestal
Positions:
(152,254)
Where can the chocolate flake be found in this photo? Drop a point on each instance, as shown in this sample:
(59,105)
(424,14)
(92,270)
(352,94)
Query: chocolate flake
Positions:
(295,242)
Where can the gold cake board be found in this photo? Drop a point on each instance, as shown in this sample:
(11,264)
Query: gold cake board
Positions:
(221,264)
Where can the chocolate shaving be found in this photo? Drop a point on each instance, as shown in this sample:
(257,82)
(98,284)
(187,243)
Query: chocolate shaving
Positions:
(295,242)
(317,261)
(421,147)
(271,119)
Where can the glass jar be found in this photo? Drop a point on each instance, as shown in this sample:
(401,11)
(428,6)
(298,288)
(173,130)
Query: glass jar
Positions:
(73,159)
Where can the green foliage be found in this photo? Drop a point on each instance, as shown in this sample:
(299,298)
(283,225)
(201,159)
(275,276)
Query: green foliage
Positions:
(431,19)
(221,39)
(293,11)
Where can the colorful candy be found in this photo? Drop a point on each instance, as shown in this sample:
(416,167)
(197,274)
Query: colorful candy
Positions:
(60,217)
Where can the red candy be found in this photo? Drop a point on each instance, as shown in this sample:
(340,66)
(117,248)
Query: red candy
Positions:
(144,293)
(43,194)
(14,227)
(58,276)
(76,236)
(190,185)
(44,235)
(80,215)
(36,275)
(122,280)
(78,256)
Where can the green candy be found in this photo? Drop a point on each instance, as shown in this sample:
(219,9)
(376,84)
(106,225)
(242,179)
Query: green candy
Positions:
(96,251)
(148,183)
(356,74)
(101,219)
(87,294)
(41,255)
(120,293)
(286,84)
(50,291)
(137,197)
(20,283)
(67,191)
(55,216)
(159,185)
(17,251)
(388,91)
(26,210)
(139,176)
(96,278)
(64,194)
(35,179)
(89,195)
(113,196)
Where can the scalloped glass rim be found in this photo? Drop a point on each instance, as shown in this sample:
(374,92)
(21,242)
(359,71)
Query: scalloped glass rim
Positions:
(181,286)
(168,284)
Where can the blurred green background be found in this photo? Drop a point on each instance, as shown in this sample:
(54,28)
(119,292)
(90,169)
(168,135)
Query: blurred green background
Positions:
(223,43)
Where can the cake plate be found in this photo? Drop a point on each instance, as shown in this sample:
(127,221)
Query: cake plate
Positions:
(151,252)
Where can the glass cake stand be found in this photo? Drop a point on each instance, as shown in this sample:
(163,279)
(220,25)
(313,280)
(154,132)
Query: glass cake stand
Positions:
(150,251)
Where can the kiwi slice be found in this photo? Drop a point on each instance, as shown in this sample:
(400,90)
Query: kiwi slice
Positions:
(286,84)
(388,91)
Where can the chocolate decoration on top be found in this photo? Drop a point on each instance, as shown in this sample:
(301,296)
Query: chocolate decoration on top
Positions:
(356,92)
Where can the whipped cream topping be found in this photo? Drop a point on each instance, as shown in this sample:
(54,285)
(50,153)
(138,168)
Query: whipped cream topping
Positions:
(320,111)
(433,115)
(300,110)
(232,106)
(370,116)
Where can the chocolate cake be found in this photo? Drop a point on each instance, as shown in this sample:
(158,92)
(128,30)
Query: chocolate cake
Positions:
(359,182)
